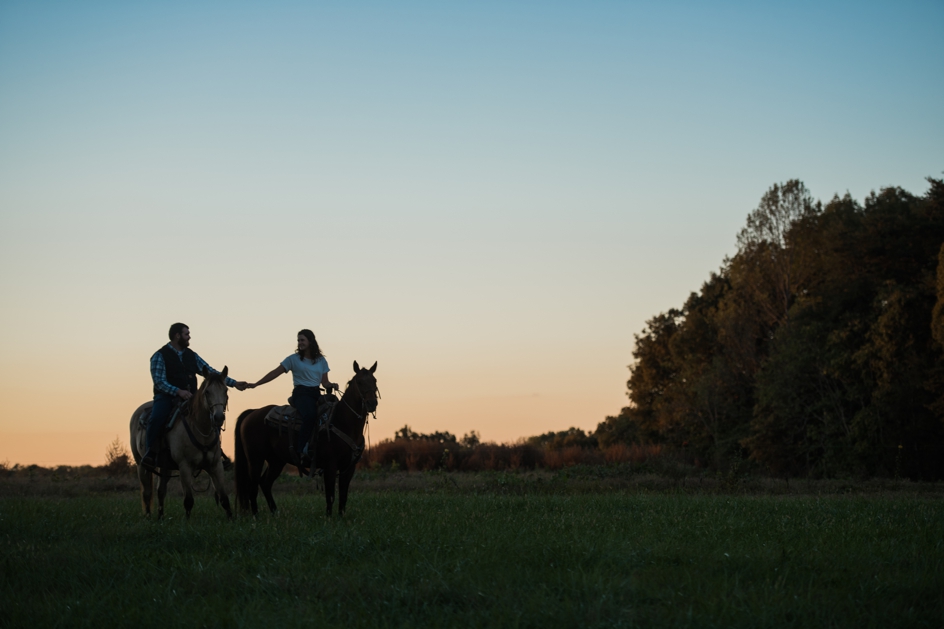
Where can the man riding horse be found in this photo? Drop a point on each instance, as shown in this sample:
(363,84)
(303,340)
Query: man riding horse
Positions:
(174,370)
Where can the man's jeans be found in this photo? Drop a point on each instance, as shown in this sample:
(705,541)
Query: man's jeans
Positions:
(160,413)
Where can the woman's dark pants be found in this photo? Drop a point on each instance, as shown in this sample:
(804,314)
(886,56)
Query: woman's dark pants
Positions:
(305,401)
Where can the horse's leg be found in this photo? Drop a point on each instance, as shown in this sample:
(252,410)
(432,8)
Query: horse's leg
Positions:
(272,472)
(147,489)
(186,480)
(330,475)
(255,472)
(344,481)
(161,494)
(216,475)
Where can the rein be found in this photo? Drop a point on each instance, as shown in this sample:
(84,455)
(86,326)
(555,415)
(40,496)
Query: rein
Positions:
(205,448)
(190,424)
(356,450)
(363,403)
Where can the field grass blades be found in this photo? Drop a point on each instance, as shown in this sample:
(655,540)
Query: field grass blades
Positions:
(474,553)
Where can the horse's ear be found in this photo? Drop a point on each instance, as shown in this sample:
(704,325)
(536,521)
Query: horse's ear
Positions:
(206,372)
(374,368)
(356,367)
(224,372)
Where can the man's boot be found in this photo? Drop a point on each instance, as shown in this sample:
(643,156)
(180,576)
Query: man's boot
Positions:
(149,462)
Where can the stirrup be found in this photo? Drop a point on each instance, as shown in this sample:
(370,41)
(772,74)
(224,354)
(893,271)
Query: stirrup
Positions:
(150,464)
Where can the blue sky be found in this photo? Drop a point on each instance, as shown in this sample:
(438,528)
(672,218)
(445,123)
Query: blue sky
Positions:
(490,199)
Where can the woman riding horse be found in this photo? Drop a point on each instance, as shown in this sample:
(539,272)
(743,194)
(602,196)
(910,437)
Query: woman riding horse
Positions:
(309,372)
(262,450)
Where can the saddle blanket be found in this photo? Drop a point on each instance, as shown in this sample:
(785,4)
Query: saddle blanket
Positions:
(286,417)
(145,415)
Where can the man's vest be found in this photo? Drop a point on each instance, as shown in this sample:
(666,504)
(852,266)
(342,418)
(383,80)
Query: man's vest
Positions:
(181,371)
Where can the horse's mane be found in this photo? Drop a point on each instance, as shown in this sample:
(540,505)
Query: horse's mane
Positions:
(208,379)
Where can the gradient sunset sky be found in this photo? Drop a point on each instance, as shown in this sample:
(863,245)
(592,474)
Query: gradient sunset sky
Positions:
(489,199)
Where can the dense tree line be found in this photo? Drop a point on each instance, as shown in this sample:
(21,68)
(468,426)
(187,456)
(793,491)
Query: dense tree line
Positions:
(815,350)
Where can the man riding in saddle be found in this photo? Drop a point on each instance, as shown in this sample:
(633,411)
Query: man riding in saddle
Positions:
(174,370)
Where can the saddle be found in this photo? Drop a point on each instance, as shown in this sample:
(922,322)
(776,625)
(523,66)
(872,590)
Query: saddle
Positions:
(286,417)
(164,460)
(181,410)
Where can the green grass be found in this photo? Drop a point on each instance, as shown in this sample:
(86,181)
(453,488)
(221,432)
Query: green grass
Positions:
(442,557)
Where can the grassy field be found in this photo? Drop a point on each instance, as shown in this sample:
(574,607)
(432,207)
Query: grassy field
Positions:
(480,551)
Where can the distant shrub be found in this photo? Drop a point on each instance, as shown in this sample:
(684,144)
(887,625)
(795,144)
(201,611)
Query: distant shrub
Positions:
(636,454)
(495,457)
(470,439)
(407,434)
(418,454)
(428,454)
(117,459)
(572,437)
(572,455)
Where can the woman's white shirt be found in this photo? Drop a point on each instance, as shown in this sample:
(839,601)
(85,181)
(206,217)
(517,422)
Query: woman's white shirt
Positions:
(305,372)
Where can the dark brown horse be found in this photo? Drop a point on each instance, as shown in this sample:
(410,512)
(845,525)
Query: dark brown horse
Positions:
(336,451)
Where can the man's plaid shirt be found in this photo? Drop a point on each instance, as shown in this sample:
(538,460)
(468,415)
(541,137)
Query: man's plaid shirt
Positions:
(159,372)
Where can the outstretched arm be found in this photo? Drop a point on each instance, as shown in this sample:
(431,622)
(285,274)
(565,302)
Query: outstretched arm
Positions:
(269,377)
(230,382)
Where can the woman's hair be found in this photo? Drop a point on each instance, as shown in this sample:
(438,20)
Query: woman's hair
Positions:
(314,352)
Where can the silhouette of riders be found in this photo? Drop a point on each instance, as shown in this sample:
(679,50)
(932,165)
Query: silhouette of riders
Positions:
(174,370)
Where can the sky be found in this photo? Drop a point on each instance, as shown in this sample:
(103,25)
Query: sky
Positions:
(489,199)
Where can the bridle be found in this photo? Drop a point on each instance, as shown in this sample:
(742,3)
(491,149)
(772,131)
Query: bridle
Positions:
(364,412)
(356,450)
(210,409)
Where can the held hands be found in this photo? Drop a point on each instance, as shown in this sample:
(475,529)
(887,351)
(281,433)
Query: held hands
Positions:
(242,386)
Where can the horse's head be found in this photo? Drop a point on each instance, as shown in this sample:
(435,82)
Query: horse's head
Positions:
(365,384)
(214,396)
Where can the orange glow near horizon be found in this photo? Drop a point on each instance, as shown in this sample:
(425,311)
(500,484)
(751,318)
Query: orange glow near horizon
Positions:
(73,424)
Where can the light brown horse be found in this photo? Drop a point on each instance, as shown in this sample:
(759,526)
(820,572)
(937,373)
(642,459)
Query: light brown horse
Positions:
(337,451)
(193,443)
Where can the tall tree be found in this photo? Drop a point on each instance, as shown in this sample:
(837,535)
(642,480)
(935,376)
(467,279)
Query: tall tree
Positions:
(819,347)
(771,266)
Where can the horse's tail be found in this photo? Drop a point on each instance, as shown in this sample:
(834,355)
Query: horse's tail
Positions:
(242,466)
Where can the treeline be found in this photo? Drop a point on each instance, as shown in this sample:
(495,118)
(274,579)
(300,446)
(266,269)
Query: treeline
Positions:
(413,451)
(815,351)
